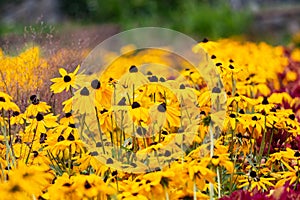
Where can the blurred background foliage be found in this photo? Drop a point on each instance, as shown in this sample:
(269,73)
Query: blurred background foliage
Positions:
(274,21)
(211,19)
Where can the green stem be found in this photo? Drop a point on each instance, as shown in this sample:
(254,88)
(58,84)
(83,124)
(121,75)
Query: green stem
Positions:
(30,148)
(271,138)
(262,146)
(99,129)
(8,147)
(70,159)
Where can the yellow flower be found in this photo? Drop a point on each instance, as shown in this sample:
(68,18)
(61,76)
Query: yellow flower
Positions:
(63,188)
(103,93)
(89,159)
(41,122)
(241,101)
(199,172)
(252,181)
(36,107)
(296,54)
(283,157)
(223,160)
(129,82)
(29,180)
(6,103)
(92,186)
(68,119)
(66,82)
(291,175)
(139,114)
(17,118)
(169,112)
(84,102)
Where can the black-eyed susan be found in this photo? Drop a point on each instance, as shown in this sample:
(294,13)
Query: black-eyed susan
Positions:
(63,188)
(255,123)
(66,147)
(222,160)
(23,176)
(40,122)
(264,106)
(68,119)
(6,103)
(283,157)
(240,101)
(291,175)
(36,107)
(166,114)
(67,105)
(129,82)
(103,93)
(67,81)
(92,186)
(138,113)
(253,181)
(17,118)
(89,159)
(84,101)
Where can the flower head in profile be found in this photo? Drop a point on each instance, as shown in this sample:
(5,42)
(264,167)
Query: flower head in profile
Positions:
(66,81)
(6,103)
(129,82)
(36,107)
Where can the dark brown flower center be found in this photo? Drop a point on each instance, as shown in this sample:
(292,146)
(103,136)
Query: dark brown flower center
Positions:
(16,113)
(72,125)
(122,102)
(292,116)
(297,154)
(153,79)
(232,115)
(67,115)
(133,69)
(109,161)
(39,117)
(103,111)
(141,131)
(34,99)
(254,118)
(216,90)
(96,84)
(43,137)
(60,138)
(135,105)
(265,101)
(71,137)
(182,87)
(162,107)
(84,92)
(87,185)
(253,174)
(35,153)
(242,111)
(67,78)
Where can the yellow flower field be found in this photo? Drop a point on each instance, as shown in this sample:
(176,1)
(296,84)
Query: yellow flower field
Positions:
(131,134)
